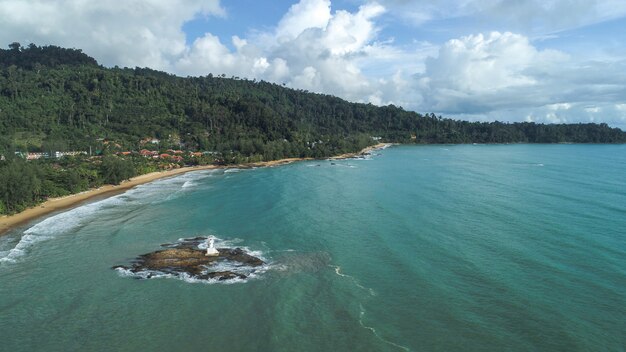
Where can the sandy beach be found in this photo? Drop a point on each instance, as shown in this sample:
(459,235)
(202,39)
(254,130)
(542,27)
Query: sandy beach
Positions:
(56,204)
(364,151)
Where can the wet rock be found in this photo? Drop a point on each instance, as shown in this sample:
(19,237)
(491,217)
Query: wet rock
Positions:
(186,257)
(238,255)
(223,275)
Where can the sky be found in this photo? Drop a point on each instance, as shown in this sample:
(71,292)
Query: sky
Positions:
(548,61)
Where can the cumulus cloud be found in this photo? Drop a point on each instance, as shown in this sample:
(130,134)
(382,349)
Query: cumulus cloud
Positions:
(129,33)
(533,16)
(473,74)
(302,16)
(482,76)
(502,76)
(311,48)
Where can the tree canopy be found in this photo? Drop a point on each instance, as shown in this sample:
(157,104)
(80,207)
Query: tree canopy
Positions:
(57,99)
(51,95)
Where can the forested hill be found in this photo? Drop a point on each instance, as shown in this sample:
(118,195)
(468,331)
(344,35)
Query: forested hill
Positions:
(55,98)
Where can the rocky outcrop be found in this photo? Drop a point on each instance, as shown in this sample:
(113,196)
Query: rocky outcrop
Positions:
(186,257)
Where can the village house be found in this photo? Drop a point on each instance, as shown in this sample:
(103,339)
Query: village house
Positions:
(149,140)
(35,156)
(148,153)
(59,155)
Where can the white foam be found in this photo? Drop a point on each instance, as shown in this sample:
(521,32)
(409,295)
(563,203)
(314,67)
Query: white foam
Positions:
(164,190)
(353,279)
(73,219)
(364,157)
(48,228)
(189,183)
(55,225)
(219,242)
(150,274)
(20,249)
(362,315)
(249,271)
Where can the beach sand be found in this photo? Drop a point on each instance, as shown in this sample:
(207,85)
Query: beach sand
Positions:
(56,204)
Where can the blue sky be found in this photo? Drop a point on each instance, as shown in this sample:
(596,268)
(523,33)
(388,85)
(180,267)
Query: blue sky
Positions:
(552,61)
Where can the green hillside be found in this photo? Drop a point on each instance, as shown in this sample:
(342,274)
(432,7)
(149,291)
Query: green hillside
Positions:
(62,97)
(54,100)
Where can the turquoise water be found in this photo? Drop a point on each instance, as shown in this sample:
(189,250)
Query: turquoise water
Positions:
(420,248)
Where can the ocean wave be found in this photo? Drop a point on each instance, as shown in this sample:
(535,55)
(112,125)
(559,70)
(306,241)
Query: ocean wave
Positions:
(151,274)
(219,242)
(74,219)
(251,274)
(167,189)
(21,248)
(189,183)
(60,223)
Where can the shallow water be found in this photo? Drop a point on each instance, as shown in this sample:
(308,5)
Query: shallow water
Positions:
(500,247)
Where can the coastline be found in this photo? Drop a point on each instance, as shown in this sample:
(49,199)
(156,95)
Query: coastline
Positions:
(67,202)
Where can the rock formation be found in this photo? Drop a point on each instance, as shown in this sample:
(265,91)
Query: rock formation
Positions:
(186,257)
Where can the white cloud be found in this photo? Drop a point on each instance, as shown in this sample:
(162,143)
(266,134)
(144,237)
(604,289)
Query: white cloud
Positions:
(208,54)
(304,15)
(477,72)
(311,48)
(488,76)
(593,109)
(128,33)
(546,16)
(502,76)
(534,17)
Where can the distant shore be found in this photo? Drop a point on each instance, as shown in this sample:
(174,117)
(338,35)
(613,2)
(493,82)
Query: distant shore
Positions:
(56,204)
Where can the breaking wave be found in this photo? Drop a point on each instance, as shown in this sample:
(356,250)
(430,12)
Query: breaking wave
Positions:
(52,226)
(76,218)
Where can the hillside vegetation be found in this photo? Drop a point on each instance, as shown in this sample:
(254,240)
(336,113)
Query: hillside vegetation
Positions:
(62,98)
(55,99)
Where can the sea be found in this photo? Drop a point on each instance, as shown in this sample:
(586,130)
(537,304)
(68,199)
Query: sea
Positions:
(412,248)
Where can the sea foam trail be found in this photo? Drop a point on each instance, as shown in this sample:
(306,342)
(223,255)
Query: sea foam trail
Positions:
(353,279)
(362,315)
(362,309)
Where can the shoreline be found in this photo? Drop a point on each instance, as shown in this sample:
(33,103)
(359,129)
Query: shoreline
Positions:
(8,222)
